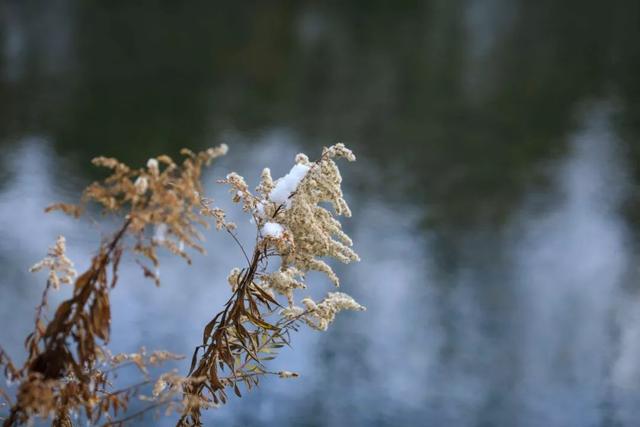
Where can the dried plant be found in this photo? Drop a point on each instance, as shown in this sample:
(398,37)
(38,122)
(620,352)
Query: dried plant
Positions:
(68,368)
(294,227)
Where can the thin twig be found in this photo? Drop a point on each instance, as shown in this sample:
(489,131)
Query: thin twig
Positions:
(239,244)
(135,415)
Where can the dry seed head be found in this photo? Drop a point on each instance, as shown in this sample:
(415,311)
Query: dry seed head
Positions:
(266,183)
(339,150)
(292,312)
(284,282)
(60,267)
(167,200)
(320,315)
(234,279)
(316,232)
(291,219)
(216,152)
(153,166)
(141,184)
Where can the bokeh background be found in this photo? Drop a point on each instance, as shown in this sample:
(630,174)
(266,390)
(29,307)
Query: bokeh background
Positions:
(496,203)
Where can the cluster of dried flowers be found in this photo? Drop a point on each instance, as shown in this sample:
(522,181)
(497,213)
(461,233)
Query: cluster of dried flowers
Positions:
(68,368)
(294,227)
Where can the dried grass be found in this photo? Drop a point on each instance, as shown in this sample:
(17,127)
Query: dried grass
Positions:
(69,370)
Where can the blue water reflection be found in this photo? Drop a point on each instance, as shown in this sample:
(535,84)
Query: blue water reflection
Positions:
(537,325)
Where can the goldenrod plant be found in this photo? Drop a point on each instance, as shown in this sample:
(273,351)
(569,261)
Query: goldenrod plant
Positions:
(69,372)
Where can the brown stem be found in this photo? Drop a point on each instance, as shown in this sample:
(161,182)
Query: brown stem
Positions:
(12,419)
(59,341)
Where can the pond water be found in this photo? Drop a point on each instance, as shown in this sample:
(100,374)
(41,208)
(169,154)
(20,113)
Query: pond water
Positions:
(495,197)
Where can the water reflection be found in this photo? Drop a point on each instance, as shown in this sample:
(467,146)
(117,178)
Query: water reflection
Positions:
(571,264)
(536,325)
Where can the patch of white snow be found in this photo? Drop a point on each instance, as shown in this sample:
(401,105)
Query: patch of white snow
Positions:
(288,184)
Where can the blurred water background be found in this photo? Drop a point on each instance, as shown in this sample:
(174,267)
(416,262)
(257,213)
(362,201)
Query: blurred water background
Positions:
(496,204)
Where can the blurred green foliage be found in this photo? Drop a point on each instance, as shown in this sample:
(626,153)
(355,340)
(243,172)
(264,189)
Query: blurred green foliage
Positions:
(468,98)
